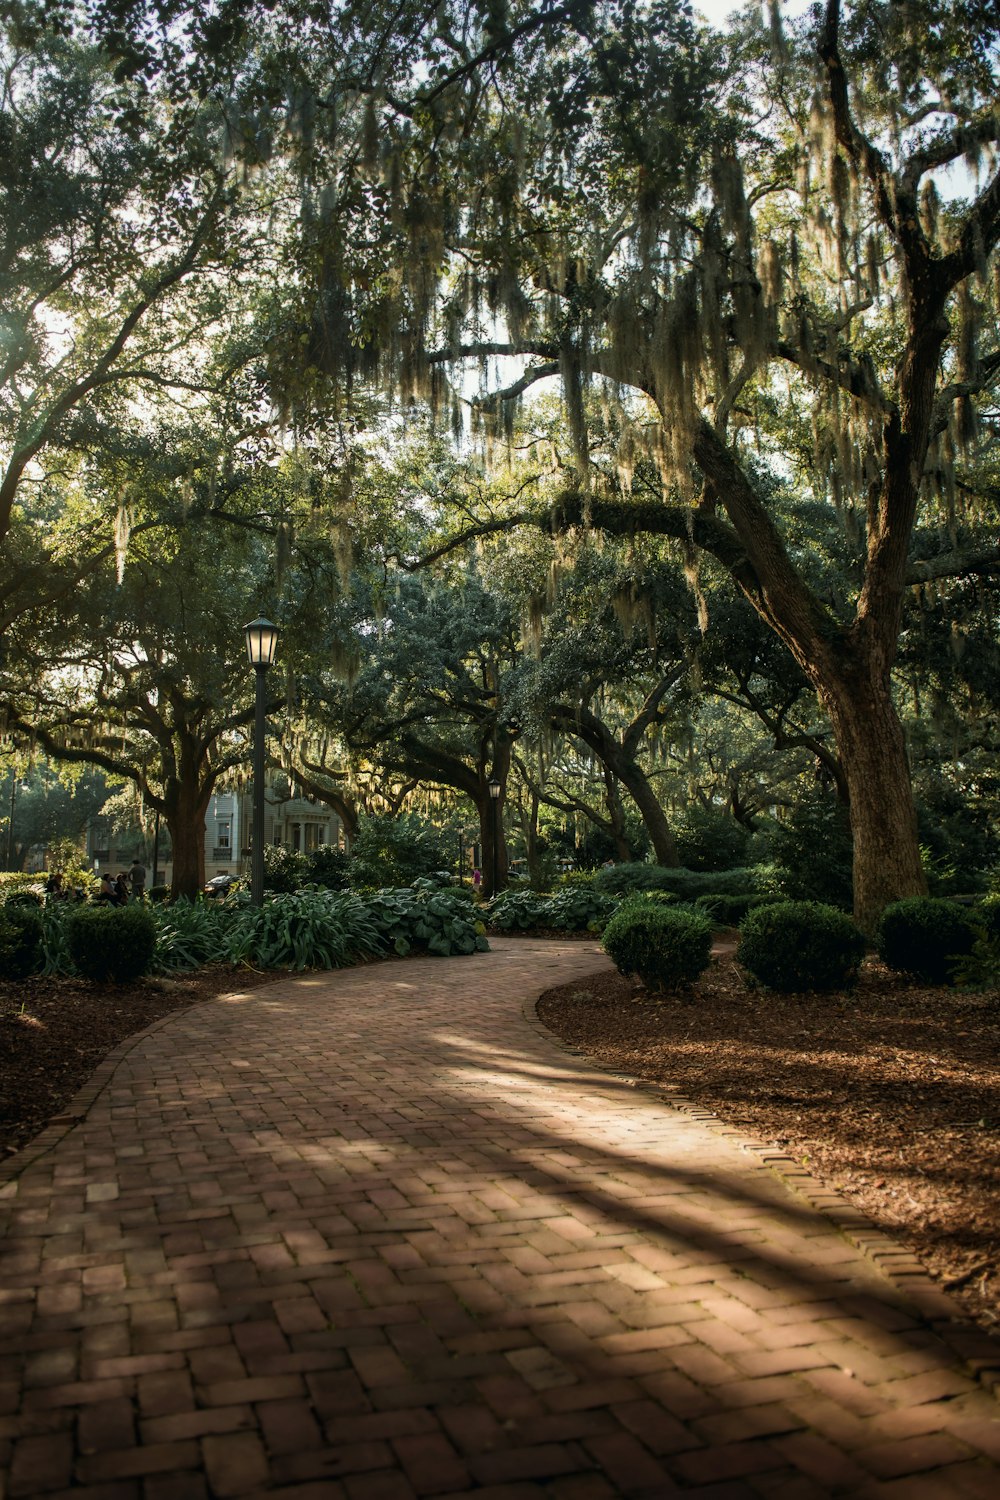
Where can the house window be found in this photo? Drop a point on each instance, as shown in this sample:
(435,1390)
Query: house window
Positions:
(224,833)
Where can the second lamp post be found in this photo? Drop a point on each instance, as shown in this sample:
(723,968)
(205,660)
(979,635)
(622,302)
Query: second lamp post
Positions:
(262,644)
(495,790)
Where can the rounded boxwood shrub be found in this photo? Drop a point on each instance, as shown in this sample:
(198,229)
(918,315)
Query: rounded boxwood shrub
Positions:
(926,936)
(20,940)
(111,942)
(667,946)
(801,945)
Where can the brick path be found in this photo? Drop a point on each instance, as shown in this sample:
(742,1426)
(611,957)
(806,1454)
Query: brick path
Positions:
(376,1235)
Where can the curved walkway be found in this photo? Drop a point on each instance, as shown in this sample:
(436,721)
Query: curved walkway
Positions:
(376,1235)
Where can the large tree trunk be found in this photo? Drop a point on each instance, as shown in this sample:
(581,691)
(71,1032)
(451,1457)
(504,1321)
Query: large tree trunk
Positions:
(491,835)
(883,817)
(187,805)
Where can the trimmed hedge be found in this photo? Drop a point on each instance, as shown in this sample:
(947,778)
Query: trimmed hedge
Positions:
(20,940)
(111,942)
(730,911)
(792,946)
(666,946)
(686,885)
(927,936)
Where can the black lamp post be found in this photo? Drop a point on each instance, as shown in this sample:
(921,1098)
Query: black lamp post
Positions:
(495,790)
(262,644)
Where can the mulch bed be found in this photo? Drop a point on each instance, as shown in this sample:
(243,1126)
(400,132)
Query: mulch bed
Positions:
(889,1093)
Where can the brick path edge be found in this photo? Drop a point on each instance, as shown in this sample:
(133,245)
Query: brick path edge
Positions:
(978,1350)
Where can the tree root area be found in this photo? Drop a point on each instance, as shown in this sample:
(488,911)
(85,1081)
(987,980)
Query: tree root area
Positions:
(889,1093)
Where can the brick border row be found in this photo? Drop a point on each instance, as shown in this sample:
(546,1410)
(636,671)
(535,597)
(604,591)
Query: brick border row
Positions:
(977,1350)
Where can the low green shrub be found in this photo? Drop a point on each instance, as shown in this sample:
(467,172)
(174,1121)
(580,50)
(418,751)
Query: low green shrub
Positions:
(979,969)
(56,957)
(285,870)
(13,881)
(686,885)
(516,911)
(986,914)
(425,918)
(328,867)
(20,940)
(158,893)
(730,911)
(926,936)
(801,945)
(25,898)
(573,909)
(313,929)
(667,947)
(111,942)
(189,934)
(581,910)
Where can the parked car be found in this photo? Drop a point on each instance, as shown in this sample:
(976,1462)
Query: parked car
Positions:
(220,884)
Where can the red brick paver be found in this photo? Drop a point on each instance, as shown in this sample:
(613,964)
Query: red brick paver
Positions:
(377,1234)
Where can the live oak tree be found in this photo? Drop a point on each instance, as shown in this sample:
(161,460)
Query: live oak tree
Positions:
(120,253)
(801,225)
(427,695)
(148,678)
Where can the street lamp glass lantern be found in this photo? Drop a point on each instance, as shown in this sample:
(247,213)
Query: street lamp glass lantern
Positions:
(495,789)
(262,642)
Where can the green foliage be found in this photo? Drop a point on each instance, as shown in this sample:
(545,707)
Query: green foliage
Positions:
(189,934)
(686,885)
(573,880)
(817,823)
(801,945)
(111,943)
(958,837)
(158,893)
(426,918)
(729,911)
(666,946)
(579,909)
(394,851)
(284,869)
(20,940)
(926,936)
(306,930)
(329,867)
(711,839)
(979,969)
(15,881)
(56,957)
(986,914)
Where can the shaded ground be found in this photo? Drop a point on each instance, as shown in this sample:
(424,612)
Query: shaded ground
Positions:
(54,1032)
(889,1093)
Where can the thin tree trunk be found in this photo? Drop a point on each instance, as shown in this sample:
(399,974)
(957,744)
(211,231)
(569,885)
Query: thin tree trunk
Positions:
(616,816)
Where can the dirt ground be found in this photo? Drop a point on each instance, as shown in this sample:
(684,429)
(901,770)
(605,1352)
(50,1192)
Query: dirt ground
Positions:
(889,1093)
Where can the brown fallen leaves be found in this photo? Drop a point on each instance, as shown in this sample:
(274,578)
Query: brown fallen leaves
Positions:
(889,1093)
